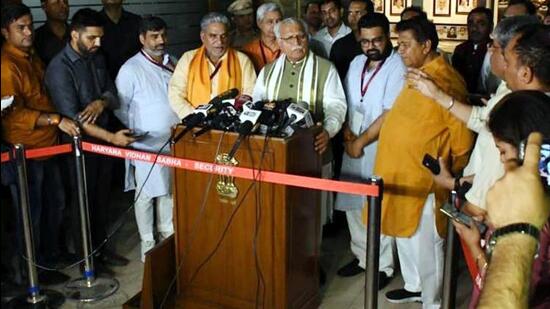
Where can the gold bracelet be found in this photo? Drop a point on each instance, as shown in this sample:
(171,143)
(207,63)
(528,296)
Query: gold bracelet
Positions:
(451,104)
(56,120)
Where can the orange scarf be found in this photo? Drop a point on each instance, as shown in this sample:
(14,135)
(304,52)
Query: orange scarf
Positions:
(199,89)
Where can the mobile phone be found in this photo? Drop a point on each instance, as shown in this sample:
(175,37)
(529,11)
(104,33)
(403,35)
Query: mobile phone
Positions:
(432,164)
(462,218)
(544,162)
(138,134)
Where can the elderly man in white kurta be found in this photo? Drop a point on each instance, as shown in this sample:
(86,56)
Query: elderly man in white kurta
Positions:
(374,79)
(304,77)
(142,84)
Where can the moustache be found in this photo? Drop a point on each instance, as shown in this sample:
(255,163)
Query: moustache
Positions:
(374,54)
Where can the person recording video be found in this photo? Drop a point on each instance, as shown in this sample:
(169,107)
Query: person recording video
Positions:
(512,120)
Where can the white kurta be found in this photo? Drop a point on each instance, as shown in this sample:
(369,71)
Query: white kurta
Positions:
(380,95)
(324,37)
(143,93)
(485,158)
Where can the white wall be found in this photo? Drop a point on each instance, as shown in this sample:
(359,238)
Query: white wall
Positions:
(182,17)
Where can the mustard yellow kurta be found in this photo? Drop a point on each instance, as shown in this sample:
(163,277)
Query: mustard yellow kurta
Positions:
(417,125)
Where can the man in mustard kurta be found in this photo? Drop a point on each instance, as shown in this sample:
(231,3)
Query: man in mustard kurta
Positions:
(417,125)
(213,68)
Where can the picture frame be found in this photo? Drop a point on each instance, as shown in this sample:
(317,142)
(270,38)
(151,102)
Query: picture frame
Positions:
(397,6)
(442,8)
(393,32)
(463,7)
(452,32)
(379,6)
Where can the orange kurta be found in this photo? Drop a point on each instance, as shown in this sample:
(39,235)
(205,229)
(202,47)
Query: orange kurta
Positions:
(260,54)
(22,77)
(417,125)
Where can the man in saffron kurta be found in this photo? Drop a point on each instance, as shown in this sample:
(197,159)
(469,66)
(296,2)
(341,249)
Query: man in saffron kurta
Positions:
(412,130)
(265,49)
(33,122)
(417,125)
(213,68)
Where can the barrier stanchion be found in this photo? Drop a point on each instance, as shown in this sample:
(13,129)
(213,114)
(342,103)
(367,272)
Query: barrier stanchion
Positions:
(36,298)
(373,245)
(90,287)
(448,295)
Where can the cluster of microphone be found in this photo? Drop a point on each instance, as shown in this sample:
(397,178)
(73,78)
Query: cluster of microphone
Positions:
(233,113)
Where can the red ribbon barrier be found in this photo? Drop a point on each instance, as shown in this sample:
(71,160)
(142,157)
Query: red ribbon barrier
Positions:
(239,172)
(42,152)
(48,151)
(5,157)
(206,167)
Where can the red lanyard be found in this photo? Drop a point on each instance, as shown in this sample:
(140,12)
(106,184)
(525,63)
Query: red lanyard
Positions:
(216,69)
(170,69)
(364,88)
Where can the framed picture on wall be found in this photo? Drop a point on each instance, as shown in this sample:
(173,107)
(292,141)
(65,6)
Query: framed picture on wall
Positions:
(465,6)
(397,6)
(442,8)
(379,6)
(393,33)
(452,32)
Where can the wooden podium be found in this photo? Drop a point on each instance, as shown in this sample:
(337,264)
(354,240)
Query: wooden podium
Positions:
(246,244)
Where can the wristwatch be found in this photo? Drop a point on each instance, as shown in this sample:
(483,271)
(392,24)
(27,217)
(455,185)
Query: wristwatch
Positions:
(522,228)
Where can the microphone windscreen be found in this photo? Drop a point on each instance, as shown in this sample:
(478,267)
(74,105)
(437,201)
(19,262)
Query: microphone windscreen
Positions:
(229,94)
(241,100)
(245,128)
(303,104)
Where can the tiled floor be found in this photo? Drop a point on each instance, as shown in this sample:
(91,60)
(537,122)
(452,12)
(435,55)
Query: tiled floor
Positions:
(338,292)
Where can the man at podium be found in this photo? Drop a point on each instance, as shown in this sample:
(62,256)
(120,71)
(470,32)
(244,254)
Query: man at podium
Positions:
(302,76)
(211,69)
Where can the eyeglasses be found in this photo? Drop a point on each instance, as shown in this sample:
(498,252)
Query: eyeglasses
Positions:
(297,37)
(376,41)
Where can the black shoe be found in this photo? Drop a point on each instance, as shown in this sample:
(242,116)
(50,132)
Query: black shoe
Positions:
(383,280)
(52,277)
(350,269)
(112,259)
(401,296)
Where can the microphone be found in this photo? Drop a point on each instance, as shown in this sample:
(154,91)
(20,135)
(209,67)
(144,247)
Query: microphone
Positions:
(241,100)
(248,119)
(205,112)
(298,116)
(273,116)
(228,94)
(298,112)
(224,120)
(192,120)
